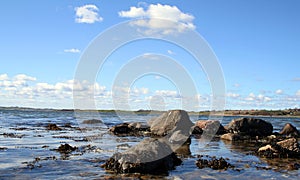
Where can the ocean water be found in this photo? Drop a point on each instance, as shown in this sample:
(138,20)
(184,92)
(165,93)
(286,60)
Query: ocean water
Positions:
(28,149)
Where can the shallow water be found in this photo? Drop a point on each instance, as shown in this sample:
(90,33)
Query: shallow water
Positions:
(27,148)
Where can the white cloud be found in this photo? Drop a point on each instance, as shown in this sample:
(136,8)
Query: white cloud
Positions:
(279,91)
(167,93)
(24,77)
(298,93)
(3,77)
(73,50)
(87,14)
(233,95)
(164,19)
(170,52)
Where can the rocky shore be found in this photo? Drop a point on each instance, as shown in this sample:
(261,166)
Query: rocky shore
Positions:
(168,138)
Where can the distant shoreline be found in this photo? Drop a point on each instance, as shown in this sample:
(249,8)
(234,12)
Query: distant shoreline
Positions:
(259,113)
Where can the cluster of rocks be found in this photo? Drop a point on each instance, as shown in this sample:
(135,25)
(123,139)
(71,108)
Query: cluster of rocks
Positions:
(170,136)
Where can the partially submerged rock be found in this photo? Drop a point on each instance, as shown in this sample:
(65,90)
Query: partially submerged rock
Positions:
(233,137)
(53,127)
(151,156)
(281,149)
(132,129)
(250,126)
(92,121)
(209,126)
(289,130)
(169,122)
(213,163)
(66,148)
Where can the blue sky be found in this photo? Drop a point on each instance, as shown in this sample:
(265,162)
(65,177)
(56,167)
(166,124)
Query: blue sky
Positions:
(256,42)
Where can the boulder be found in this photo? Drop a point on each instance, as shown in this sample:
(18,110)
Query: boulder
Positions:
(289,130)
(286,148)
(151,156)
(210,126)
(250,126)
(169,122)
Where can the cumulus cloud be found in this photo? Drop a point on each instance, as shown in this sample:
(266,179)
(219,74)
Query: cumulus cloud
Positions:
(279,91)
(233,95)
(298,93)
(73,50)
(87,14)
(158,18)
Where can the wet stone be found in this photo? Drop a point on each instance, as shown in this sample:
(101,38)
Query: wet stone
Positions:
(250,126)
(132,129)
(282,149)
(213,163)
(289,130)
(66,148)
(53,127)
(92,121)
(209,127)
(151,156)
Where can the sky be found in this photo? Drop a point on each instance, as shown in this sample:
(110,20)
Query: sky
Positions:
(256,44)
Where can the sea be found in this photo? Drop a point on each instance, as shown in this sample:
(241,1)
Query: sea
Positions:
(28,150)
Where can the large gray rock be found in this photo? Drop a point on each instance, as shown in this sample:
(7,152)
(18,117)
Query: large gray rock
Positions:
(250,126)
(151,156)
(171,121)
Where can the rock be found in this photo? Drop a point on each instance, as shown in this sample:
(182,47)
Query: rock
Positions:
(53,127)
(290,144)
(92,121)
(66,148)
(289,130)
(180,143)
(232,137)
(169,122)
(286,148)
(294,166)
(132,129)
(213,163)
(151,156)
(120,129)
(197,130)
(250,126)
(211,126)
(139,126)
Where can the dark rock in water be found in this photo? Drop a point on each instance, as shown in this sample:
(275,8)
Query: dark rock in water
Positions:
(213,163)
(197,131)
(68,125)
(210,127)
(132,129)
(66,148)
(151,156)
(92,121)
(294,166)
(12,135)
(3,148)
(289,130)
(53,127)
(250,126)
(282,149)
(169,122)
